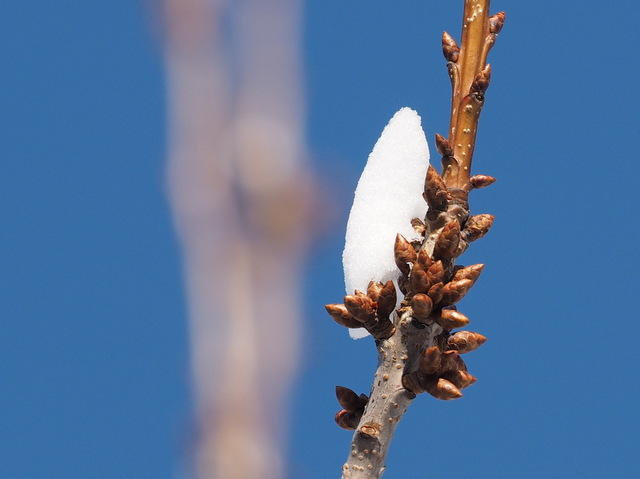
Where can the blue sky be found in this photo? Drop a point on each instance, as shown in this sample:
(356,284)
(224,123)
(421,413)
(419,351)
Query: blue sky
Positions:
(93,342)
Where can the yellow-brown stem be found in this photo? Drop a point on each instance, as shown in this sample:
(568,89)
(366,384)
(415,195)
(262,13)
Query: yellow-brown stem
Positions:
(477,39)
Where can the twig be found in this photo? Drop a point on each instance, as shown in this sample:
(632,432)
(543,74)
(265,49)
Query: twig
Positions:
(240,195)
(417,351)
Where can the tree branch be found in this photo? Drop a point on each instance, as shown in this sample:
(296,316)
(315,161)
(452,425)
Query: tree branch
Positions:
(470,76)
(417,351)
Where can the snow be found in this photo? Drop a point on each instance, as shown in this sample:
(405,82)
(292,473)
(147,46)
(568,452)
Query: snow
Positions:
(387,198)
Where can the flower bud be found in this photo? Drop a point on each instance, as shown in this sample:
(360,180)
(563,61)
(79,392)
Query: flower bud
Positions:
(387,300)
(477,226)
(481,81)
(451,361)
(347,420)
(360,306)
(413,382)
(349,400)
(465,341)
(450,319)
(496,22)
(443,145)
(435,292)
(435,190)
(373,290)
(436,272)
(468,272)
(341,316)
(450,48)
(455,291)
(443,389)
(431,360)
(422,306)
(424,259)
(404,253)
(419,281)
(481,181)
(447,242)
(460,379)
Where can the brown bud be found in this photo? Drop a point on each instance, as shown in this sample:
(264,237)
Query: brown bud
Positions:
(469,272)
(341,316)
(443,145)
(443,389)
(465,341)
(447,242)
(349,400)
(481,181)
(460,379)
(418,281)
(435,292)
(404,253)
(373,290)
(381,329)
(418,226)
(413,382)
(387,300)
(347,420)
(451,361)
(422,306)
(435,190)
(360,306)
(424,259)
(450,48)
(455,291)
(496,22)
(431,360)
(477,226)
(481,81)
(436,272)
(403,284)
(451,319)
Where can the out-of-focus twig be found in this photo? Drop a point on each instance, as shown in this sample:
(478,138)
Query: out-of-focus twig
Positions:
(239,192)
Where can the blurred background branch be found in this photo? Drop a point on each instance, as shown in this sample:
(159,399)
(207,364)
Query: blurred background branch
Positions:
(239,190)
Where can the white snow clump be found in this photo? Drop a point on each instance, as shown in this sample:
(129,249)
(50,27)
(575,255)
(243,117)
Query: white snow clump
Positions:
(387,198)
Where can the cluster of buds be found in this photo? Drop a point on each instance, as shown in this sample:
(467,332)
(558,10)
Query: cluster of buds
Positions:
(352,407)
(370,310)
(443,374)
(430,280)
(432,284)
